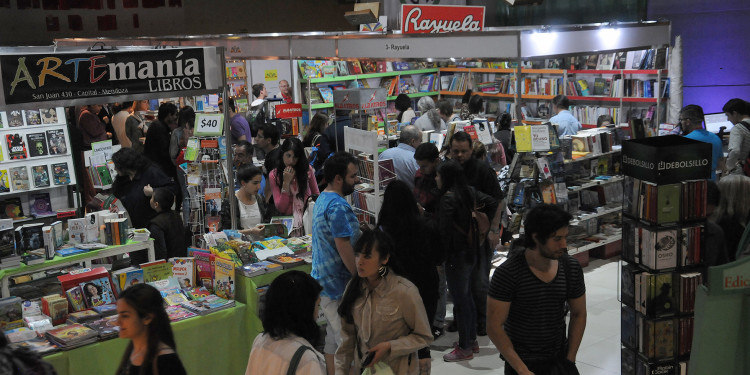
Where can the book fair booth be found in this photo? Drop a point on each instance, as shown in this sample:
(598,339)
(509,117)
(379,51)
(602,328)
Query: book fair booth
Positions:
(619,70)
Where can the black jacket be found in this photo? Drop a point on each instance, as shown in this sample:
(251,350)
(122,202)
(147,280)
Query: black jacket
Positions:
(169,235)
(156,147)
(453,222)
(132,197)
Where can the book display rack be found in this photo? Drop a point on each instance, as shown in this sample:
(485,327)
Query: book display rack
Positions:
(206,184)
(663,245)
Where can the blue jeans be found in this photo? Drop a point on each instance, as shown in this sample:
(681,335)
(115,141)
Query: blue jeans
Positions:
(480,284)
(439,321)
(458,273)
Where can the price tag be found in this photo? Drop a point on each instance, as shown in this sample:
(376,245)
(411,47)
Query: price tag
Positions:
(209,124)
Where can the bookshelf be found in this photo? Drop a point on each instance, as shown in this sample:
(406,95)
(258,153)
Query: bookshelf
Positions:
(37,164)
(663,245)
(366,200)
(237,88)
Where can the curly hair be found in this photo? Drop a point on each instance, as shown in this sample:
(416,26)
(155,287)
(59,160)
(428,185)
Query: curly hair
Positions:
(128,159)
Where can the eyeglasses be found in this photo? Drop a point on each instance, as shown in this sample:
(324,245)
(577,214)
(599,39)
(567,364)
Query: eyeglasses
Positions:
(683,119)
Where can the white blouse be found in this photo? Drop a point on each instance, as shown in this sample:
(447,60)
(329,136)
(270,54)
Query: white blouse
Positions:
(249,214)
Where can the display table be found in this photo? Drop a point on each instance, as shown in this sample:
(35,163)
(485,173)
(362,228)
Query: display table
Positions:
(216,343)
(245,292)
(86,258)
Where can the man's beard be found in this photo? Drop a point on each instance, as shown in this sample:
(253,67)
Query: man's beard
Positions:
(347,189)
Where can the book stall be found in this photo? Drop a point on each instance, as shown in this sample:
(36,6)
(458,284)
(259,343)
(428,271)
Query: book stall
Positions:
(57,286)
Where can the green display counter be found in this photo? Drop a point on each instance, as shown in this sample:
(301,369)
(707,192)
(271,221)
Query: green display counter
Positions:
(245,292)
(216,343)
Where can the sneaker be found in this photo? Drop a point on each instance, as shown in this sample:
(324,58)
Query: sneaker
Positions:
(453,327)
(458,354)
(474,346)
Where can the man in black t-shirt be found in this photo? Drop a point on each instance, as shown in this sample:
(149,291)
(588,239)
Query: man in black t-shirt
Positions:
(526,304)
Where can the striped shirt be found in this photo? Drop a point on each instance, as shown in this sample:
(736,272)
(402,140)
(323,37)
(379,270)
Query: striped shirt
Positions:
(536,321)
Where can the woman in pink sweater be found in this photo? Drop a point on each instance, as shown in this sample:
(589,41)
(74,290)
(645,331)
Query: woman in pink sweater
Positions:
(292,182)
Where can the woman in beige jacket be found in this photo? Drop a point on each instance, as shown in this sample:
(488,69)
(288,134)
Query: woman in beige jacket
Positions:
(381,312)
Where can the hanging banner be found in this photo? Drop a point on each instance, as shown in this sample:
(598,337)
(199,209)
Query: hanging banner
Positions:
(288,110)
(359,99)
(432,19)
(67,76)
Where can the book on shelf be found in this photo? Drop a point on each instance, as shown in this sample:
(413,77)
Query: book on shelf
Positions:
(4,178)
(628,327)
(342,68)
(37,143)
(61,173)
(655,294)
(29,237)
(16,146)
(7,243)
(658,338)
(19,177)
(406,85)
(368,66)
(354,67)
(40,205)
(659,248)
(606,61)
(326,93)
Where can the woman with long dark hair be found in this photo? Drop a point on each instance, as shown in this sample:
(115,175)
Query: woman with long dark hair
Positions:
(251,208)
(142,319)
(292,182)
(462,244)
(403,106)
(418,252)
(289,326)
(381,312)
(316,137)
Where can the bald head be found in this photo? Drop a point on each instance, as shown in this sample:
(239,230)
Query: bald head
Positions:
(411,135)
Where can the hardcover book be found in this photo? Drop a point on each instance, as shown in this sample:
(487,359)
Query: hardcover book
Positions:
(56,142)
(75,298)
(131,277)
(61,173)
(19,177)
(49,116)
(327,94)
(98,292)
(16,146)
(368,66)
(11,313)
(32,117)
(224,278)
(184,270)
(40,175)
(37,144)
(204,266)
(343,69)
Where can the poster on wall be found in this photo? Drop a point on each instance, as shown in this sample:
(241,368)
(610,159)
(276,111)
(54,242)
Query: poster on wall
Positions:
(66,76)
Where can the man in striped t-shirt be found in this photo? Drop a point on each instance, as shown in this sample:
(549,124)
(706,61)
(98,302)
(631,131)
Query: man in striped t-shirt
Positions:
(526,304)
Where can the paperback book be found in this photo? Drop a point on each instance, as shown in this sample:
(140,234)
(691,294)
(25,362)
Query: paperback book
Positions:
(40,175)
(19,177)
(37,144)
(40,205)
(98,292)
(16,146)
(49,116)
(33,117)
(184,270)
(224,278)
(15,119)
(75,298)
(56,142)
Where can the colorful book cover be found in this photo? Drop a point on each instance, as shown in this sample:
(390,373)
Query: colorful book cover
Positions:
(37,143)
(4,181)
(224,278)
(61,173)
(368,66)
(15,119)
(40,175)
(184,270)
(166,285)
(19,177)
(174,297)
(98,292)
(49,116)
(84,316)
(177,313)
(65,332)
(32,117)
(56,142)
(106,310)
(157,271)
(40,205)
(16,146)
(204,266)
(199,293)
(327,94)
(355,67)
(130,278)
(77,230)
(11,208)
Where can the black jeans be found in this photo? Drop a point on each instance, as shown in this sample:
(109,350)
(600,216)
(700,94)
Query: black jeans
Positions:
(546,367)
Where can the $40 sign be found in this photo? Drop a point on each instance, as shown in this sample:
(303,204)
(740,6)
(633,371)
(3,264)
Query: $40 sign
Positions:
(209,124)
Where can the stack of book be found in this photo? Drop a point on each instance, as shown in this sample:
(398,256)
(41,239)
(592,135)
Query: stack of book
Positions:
(106,328)
(208,304)
(259,268)
(83,316)
(38,345)
(71,336)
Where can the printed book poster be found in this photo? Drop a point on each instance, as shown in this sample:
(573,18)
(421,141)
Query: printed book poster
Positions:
(56,142)
(49,116)
(224,278)
(60,173)
(98,292)
(4,181)
(37,144)
(40,175)
(33,117)
(40,205)
(19,177)
(15,118)
(16,146)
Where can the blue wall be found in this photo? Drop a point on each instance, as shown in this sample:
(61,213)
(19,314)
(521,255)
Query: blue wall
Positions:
(716,48)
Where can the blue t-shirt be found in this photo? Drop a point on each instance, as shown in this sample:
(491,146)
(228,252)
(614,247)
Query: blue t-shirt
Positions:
(716,147)
(566,123)
(332,218)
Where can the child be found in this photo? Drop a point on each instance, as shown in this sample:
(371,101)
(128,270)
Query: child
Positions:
(166,227)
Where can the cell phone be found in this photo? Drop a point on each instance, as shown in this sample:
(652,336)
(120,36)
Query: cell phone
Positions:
(368,359)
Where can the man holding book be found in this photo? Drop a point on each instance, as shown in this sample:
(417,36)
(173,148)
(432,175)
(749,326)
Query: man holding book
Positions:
(403,155)
(526,304)
(334,231)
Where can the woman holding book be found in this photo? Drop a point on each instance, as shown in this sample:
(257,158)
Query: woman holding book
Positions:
(251,208)
(292,182)
(289,328)
(142,319)
(382,316)
(462,244)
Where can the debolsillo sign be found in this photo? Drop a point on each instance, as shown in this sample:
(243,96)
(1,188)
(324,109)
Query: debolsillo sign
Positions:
(419,19)
(60,76)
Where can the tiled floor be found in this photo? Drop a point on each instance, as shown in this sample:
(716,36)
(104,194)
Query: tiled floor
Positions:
(600,350)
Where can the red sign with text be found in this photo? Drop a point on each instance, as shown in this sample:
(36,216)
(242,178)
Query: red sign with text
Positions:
(288,110)
(431,19)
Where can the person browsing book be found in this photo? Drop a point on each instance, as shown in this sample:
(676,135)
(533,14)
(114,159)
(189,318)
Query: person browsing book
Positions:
(691,122)
(238,125)
(334,230)
(525,308)
(566,123)
(143,320)
(383,317)
(738,113)
(403,155)
(251,208)
(292,182)
(315,137)
(156,147)
(405,112)
(166,227)
(464,247)
(290,328)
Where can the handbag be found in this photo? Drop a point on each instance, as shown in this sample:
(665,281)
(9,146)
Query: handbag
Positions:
(294,363)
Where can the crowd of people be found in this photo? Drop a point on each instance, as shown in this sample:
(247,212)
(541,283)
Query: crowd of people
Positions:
(382,290)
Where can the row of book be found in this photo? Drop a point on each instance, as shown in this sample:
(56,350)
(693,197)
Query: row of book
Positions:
(663,248)
(40,205)
(657,339)
(634,364)
(17,179)
(30,117)
(51,142)
(329,69)
(659,294)
(664,204)
(590,114)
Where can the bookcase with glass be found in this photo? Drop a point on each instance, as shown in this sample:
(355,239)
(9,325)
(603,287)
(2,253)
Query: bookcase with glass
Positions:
(664,241)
